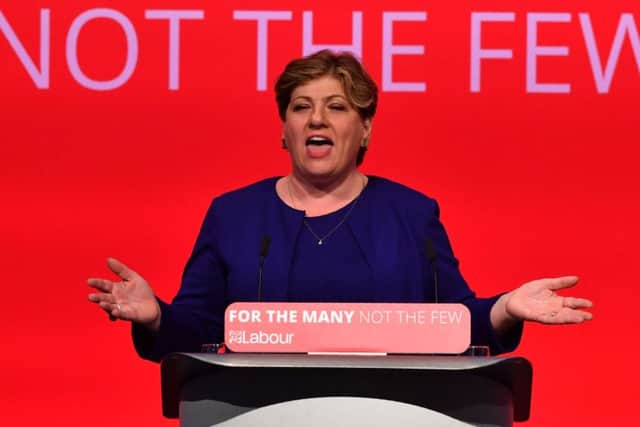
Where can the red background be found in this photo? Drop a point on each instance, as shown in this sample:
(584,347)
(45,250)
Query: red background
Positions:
(530,185)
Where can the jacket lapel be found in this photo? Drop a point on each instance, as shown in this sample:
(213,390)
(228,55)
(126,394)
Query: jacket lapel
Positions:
(283,228)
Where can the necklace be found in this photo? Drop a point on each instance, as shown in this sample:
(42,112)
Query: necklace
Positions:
(321,239)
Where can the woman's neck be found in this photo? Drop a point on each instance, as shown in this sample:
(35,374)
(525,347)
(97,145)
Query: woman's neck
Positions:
(320,197)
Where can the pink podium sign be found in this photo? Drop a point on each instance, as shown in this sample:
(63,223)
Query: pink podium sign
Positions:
(347,328)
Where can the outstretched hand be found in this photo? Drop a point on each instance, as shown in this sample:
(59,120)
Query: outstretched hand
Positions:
(129,299)
(538,301)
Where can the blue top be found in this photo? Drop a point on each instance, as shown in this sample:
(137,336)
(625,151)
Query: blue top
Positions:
(319,271)
(388,227)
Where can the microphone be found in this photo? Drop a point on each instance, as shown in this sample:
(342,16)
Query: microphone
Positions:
(432,257)
(264,250)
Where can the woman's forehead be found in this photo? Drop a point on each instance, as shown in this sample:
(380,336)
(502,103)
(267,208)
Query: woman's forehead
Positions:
(320,88)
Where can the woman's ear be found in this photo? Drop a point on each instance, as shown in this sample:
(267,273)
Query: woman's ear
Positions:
(368,125)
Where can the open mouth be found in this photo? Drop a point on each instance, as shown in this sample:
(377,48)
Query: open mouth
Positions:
(318,146)
(317,141)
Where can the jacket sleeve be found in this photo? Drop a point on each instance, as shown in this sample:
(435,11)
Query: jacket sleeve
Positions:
(453,288)
(196,314)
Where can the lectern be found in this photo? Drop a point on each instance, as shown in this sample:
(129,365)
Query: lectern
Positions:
(339,390)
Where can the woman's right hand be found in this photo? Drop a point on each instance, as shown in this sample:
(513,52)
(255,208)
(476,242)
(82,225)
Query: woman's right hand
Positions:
(130,299)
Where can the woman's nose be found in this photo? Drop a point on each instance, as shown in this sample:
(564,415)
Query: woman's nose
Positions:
(317,118)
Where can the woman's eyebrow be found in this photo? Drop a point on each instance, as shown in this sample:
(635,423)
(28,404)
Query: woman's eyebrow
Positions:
(326,98)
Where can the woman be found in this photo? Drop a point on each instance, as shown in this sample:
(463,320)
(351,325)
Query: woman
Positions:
(335,234)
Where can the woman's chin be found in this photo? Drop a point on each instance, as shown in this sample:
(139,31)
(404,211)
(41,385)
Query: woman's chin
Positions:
(317,169)
(319,172)
(325,174)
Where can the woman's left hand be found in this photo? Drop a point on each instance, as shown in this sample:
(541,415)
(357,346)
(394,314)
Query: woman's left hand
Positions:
(538,301)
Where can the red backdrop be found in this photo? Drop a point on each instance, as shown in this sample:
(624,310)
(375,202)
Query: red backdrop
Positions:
(530,184)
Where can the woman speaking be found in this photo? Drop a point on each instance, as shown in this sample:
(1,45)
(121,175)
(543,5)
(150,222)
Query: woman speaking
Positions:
(323,233)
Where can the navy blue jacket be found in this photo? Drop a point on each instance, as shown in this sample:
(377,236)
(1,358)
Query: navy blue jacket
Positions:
(391,224)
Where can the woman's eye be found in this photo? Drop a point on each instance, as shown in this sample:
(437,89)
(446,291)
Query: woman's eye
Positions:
(299,107)
(339,107)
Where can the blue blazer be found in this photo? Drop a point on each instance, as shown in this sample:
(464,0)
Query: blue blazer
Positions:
(391,224)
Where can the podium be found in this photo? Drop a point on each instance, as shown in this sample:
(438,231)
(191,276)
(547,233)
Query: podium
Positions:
(338,390)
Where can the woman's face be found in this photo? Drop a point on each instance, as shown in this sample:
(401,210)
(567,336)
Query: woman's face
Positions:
(322,131)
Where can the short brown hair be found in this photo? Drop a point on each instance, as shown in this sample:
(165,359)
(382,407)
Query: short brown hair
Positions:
(360,89)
